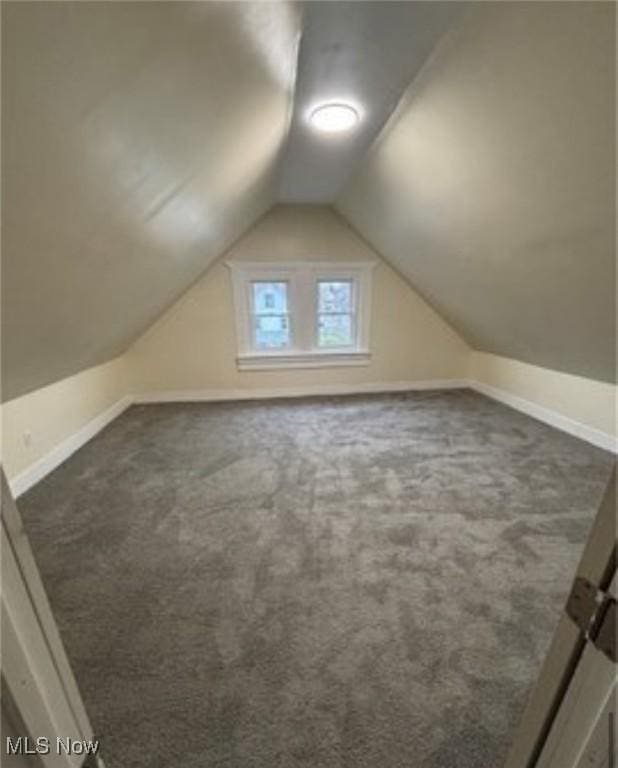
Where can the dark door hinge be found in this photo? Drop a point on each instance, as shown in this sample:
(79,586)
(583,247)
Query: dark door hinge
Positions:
(594,613)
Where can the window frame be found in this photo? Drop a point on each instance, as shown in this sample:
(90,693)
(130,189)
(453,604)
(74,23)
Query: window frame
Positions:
(253,315)
(303,280)
(353,314)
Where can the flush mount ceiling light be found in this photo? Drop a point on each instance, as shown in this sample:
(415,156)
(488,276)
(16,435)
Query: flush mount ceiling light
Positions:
(334,118)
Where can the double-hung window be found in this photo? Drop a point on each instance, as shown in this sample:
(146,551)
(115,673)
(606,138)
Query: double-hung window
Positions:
(298,315)
(270,318)
(335,314)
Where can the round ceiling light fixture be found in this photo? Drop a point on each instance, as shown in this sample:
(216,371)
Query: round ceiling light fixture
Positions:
(334,118)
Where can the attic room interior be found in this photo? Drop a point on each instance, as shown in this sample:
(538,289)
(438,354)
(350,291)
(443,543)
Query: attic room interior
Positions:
(308,384)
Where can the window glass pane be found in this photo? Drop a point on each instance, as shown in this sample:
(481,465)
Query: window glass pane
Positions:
(271,331)
(270,298)
(335,296)
(335,331)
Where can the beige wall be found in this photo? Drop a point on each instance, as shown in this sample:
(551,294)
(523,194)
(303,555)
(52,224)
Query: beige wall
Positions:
(193,346)
(591,403)
(56,412)
(141,140)
(164,360)
(492,188)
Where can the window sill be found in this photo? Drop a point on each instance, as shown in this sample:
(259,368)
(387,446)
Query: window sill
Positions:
(275,360)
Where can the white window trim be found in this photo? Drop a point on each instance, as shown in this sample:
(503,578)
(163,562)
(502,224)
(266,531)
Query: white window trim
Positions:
(302,278)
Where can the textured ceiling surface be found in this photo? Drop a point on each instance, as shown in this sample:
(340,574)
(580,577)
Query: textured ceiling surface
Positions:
(493,186)
(362,53)
(140,139)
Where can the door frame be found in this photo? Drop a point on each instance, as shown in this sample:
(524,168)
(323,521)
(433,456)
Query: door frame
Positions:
(35,669)
(597,565)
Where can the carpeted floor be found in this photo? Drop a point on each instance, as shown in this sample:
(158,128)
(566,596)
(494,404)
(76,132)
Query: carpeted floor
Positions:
(359,582)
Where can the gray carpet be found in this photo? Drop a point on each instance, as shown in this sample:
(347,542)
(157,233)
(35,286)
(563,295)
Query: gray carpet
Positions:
(361,582)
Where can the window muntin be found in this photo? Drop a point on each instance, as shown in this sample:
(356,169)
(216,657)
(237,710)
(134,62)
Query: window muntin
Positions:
(301,314)
(270,315)
(335,326)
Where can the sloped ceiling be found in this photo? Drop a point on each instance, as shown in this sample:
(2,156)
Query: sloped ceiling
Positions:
(492,187)
(139,139)
(363,53)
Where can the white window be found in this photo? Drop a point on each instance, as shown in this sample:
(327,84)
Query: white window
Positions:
(270,319)
(302,315)
(336,316)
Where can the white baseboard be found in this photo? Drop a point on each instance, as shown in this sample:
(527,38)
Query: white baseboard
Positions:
(217,395)
(553,418)
(37,471)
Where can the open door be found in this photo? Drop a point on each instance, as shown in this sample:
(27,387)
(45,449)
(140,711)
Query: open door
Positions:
(582,733)
(40,699)
(570,719)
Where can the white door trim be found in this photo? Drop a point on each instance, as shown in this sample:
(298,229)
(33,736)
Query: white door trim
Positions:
(34,664)
(567,645)
(593,684)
